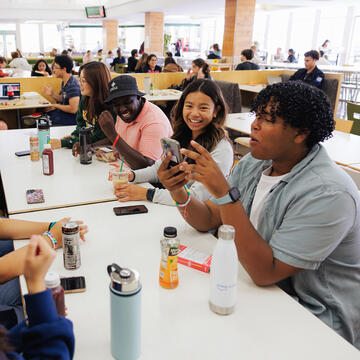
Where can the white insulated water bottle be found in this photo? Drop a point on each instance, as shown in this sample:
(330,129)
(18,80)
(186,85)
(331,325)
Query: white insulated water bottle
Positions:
(224,273)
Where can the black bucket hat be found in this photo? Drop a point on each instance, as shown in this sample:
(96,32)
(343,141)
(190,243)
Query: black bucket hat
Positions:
(123,85)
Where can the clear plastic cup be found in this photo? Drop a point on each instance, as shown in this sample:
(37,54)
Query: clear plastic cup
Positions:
(119,177)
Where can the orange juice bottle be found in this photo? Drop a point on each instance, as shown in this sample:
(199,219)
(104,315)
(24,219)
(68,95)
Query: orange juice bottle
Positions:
(168,275)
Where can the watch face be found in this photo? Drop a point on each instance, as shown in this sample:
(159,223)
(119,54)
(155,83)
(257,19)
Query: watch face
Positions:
(234,194)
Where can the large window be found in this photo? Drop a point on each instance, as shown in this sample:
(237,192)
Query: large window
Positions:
(30,42)
(52,37)
(278,23)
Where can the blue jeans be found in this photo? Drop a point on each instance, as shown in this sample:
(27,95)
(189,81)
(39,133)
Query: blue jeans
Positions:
(10,296)
(61,118)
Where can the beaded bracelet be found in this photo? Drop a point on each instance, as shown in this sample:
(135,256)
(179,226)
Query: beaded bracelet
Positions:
(51,225)
(187,201)
(54,242)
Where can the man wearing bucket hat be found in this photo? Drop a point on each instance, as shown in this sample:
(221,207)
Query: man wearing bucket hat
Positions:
(139,126)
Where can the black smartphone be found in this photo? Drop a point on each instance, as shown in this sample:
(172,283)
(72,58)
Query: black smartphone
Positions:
(73,284)
(22,153)
(130,210)
(173,146)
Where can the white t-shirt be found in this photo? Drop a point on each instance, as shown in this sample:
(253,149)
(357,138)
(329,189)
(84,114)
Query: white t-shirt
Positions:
(262,191)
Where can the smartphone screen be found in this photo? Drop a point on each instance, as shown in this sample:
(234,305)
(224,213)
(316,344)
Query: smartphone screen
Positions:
(173,146)
(130,210)
(34,196)
(73,284)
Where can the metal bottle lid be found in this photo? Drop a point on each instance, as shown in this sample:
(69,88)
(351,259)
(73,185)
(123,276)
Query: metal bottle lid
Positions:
(85,130)
(226,232)
(123,279)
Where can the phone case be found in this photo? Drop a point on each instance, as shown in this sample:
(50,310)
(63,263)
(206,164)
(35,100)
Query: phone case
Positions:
(35,196)
(130,210)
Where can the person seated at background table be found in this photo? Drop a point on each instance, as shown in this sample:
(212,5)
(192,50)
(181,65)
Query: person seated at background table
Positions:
(3,63)
(12,262)
(19,62)
(132,61)
(109,59)
(295,212)
(87,57)
(99,54)
(53,52)
(94,78)
(41,68)
(170,65)
(140,124)
(322,60)
(200,69)
(150,66)
(45,334)
(256,57)
(64,111)
(246,63)
(199,115)
(139,67)
(119,59)
(279,56)
(215,53)
(291,56)
(168,54)
(3,125)
(311,75)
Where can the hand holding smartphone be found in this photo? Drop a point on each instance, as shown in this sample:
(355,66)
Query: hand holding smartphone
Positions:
(173,146)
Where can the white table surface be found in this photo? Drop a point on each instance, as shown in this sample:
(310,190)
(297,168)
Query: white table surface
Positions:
(72,183)
(342,147)
(36,101)
(252,88)
(300,65)
(177,324)
(164,95)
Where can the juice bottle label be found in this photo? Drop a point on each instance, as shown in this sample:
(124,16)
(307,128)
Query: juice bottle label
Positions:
(168,268)
(46,164)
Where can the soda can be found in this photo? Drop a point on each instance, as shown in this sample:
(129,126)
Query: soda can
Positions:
(71,245)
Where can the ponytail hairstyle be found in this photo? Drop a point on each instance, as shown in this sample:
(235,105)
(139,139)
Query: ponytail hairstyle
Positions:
(215,131)
(204,66)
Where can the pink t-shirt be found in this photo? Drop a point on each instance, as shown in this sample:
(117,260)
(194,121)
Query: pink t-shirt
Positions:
(144,133)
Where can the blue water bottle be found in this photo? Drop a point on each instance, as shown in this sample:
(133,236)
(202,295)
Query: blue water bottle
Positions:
(125,309)
(43,133)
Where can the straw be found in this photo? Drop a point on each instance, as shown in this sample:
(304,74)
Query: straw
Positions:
(122,163)
(117,138)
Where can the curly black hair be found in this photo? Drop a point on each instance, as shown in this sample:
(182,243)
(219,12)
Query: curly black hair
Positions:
(301,106)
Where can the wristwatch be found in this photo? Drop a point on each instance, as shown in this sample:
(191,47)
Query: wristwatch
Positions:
(232,196)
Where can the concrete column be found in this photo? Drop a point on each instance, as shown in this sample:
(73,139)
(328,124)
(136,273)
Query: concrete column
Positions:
(41,38)
(348,34)
(154,33)
(110,35)
(238,27)
(315,44)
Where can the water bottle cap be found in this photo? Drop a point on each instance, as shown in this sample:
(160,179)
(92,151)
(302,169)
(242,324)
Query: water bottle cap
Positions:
(226,232)
(170,231)
(85,130)
(123,279)
(43,124)
(52,279)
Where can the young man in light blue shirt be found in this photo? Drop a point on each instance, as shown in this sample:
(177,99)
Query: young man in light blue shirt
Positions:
(296,213)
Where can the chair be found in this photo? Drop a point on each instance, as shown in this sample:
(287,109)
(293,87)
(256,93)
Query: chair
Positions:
(353,113)
(343,125)
(232,95)
(329,87)
(119,68)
